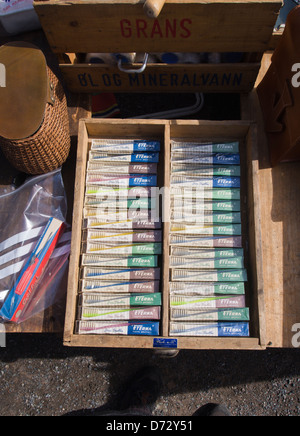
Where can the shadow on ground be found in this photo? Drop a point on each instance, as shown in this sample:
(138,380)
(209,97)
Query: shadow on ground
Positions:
(40,376)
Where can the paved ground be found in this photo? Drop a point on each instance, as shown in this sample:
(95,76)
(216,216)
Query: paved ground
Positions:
(38,376)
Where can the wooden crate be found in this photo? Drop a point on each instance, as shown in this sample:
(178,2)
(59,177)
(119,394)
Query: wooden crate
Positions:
(183,26)
(243,131)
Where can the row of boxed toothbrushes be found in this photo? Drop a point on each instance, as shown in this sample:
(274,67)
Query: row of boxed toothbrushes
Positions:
(207,271)
(122,241)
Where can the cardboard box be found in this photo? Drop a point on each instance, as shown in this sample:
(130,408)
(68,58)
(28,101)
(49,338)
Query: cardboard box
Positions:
(187,315)
(229,329)
(120,287)
(120,300)
(206,288)
(139,313)
(216,302)
(130,328)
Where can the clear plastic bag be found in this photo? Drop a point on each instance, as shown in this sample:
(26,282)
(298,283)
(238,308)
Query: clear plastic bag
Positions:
(24,214)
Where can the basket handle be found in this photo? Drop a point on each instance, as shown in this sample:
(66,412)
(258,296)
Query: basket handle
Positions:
(134,70)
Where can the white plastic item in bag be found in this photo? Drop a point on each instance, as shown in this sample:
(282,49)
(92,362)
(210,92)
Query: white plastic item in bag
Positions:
(18,16)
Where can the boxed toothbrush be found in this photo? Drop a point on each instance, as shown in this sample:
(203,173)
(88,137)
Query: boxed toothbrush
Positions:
(140,158)
(187,315)
(196,241)
(130,328)
(220,329)
(230,284)
(207,253)
(212,275)
(151,248)
(198,147)
(188,263)
(215,301)
(120,287)
(132,237)
(114,203)
(105,273)
(206,288)
(194,193)
(119,168)
(126,262)
(119,300)
(206,170)
(126,146)
(106,314)
(205,205)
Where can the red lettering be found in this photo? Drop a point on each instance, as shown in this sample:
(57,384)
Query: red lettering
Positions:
(171,28)
(168,29)
(141,26)
(126,28)
(156,30)
(187,32)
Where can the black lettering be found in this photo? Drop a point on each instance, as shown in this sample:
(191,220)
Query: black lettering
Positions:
(174,79)
(226,80)
(106,80)
(163,80)
(237,80)
(214,80)
(134,80)
(185,80)
(152,79)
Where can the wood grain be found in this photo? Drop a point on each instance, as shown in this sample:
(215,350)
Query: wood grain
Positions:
(191,26)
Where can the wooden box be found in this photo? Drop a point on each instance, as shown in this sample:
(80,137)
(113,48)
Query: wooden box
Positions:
(165,131)
(183,26)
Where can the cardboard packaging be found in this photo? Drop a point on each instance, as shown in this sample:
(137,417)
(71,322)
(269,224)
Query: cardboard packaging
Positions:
(120,287)
(133,328)
(184,315)
(139,313)
(120,300)
(229,329)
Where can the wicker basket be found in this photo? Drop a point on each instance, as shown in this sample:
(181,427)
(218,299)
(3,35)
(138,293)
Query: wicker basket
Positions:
(48,148)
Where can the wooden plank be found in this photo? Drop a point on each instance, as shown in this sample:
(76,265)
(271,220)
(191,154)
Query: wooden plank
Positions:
(162,78)
(191,26)
(280,210)
(49,321)
(184,343)
(166,230)
(255,236)
(281,250)
(79,189)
